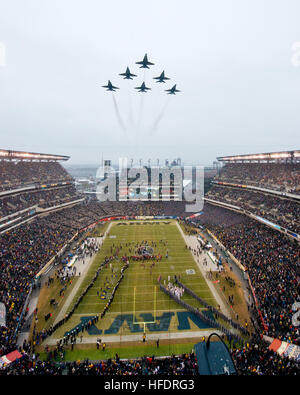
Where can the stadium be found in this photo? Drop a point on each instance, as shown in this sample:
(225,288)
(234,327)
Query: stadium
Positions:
(149,193)
(139,287)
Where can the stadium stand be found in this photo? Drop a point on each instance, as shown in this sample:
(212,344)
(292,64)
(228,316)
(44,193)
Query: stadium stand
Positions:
(185,364)
(20,174)
(282,211)
(271,259)
(44,199)
(283,177)
(257,359)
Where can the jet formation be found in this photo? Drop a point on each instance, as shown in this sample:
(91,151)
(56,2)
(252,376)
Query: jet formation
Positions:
(110,87)
(128,75)
(161,78)
(172,91)
(145,63)
(143,88)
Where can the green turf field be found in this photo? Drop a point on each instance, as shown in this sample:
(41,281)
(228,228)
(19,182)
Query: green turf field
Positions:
(150,304)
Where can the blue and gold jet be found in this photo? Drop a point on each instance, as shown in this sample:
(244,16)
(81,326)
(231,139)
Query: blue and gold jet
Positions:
(142,88)
(145,63)
(110,87)
(128,75)
(172,91)
(161,78)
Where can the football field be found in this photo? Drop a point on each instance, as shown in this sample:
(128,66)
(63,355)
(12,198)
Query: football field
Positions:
(138,304)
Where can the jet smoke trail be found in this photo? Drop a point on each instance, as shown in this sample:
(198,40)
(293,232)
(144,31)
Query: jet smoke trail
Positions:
(118,113)
(141,102)
(160,116)
(130,112)
(141,108)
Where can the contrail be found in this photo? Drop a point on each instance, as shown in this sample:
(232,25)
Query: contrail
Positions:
(160,116)
(142,102)
(130,112)
(141,108)
(118,113)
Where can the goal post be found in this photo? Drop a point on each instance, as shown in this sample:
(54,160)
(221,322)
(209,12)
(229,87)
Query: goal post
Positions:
(134,310)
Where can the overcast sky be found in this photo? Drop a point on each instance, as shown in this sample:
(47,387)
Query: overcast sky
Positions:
(231,59)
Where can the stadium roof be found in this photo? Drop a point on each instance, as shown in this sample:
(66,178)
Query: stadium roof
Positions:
(286,156)
(9,154)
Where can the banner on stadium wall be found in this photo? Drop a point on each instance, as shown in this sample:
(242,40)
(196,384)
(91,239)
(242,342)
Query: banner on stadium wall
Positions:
(2,314)
(104,220)
(285,349)
(9,358)
(295,235)
(165,217)
(107,219)
(268,222)
(195,215)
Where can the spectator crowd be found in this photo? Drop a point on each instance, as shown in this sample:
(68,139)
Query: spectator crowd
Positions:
(282,211)
(44,198)
(283,177)
(22,173)
(272,260)
(185,364)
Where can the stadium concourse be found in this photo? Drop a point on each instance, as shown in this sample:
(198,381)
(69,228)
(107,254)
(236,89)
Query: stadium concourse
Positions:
(252,211)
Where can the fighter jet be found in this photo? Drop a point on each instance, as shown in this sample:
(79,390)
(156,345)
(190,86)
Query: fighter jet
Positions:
(128,75)
(172,91)
(161,78)
(144,63)
(142,88)
(110,87)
